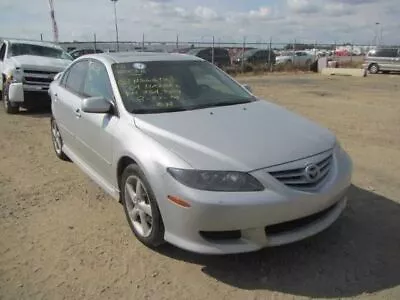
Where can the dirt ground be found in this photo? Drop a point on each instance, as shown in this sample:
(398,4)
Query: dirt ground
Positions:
(63,238)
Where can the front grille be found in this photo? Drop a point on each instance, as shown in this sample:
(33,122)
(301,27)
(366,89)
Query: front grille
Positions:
(298,223)
(36,77)
(296,178)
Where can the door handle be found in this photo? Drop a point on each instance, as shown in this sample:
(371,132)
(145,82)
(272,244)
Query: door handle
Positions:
(78,113)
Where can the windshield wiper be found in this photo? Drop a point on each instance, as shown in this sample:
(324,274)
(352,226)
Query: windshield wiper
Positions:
(157,110)
(224,103)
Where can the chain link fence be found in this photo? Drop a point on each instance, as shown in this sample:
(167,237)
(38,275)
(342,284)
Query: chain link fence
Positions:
(270,58)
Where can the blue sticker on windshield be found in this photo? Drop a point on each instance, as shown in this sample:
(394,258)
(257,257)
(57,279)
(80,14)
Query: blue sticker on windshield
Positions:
(139,66)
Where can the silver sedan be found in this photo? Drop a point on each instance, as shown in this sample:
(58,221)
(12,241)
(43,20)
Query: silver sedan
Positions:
(195,158)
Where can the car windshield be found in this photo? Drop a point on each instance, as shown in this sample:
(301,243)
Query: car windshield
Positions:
(166,86)
(30,49)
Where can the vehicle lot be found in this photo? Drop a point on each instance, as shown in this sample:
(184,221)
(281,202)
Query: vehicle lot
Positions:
(63,238)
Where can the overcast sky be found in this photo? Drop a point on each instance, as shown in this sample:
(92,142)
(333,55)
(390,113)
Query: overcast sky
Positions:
(227,20)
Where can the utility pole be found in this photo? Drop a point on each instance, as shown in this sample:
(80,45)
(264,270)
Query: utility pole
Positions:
(377,34)
(116,22)
(53,20)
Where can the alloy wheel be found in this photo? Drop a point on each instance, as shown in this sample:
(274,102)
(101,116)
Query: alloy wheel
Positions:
(138,206)
(56,136)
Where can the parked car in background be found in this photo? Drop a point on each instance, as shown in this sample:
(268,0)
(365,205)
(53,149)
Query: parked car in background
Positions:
(382,59)
(79,52)
(221,55)
(296,58)
(255,57)
(196,159)
(27,68)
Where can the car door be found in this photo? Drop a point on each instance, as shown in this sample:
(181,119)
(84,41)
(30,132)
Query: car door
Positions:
(96,130)
(297,59)
(66,103)
(386,59)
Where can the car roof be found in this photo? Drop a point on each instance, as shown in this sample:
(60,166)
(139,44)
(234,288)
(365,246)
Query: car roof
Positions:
(126,57)
(32,42)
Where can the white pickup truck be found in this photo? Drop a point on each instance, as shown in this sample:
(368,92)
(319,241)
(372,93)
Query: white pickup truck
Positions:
(27,68)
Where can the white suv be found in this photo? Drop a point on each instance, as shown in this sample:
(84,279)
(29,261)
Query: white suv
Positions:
(27,68)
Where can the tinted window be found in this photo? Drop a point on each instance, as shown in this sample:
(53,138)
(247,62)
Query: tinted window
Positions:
(97,83)
(2,51)
(76,76)
(385,53)
(221,52)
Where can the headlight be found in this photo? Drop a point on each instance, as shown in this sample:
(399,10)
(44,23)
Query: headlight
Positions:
(15,75)
(221,181)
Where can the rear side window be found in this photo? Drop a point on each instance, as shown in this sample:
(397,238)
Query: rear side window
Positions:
(76,77)
(384,53)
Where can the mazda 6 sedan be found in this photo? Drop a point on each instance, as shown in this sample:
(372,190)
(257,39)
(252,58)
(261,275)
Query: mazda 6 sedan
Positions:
(196,159)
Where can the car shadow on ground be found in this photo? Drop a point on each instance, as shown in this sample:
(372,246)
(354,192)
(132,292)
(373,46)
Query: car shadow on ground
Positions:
(359,254)
(38,112)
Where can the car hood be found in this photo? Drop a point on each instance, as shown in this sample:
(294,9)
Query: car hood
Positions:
(241,137)
(41,63)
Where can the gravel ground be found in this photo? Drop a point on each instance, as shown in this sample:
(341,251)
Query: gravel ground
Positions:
(63,238)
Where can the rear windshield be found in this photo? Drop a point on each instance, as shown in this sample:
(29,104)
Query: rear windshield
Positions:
(29,49)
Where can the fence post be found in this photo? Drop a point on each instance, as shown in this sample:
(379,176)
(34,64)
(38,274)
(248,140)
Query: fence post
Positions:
(95,41)
(177,41)
(41,36)
(244,46)
(269,54)
(351,54)
(294,49)
(143,42)
(212,50)
(334,52)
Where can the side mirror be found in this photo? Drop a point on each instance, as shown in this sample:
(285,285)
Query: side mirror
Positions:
(96,105)
(247,87)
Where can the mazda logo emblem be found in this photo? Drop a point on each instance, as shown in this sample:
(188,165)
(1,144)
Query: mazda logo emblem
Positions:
(312,173)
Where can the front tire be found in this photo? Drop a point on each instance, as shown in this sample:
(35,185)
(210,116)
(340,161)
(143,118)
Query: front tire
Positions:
(141,207)
(373,68)
(9,107)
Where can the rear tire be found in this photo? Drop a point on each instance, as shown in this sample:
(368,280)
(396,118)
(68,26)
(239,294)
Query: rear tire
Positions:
(9,107)
(141,207)
(373,68)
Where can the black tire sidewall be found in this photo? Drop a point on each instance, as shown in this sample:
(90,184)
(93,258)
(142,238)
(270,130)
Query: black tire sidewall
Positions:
(156,237)
(376,67)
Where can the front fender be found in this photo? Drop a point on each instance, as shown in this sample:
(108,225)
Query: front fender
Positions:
(151,156)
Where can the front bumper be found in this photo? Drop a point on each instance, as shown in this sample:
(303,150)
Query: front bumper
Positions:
(17,91)
(289,214)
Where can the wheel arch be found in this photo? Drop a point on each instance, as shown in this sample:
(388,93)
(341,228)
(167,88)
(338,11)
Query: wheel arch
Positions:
(123,162)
